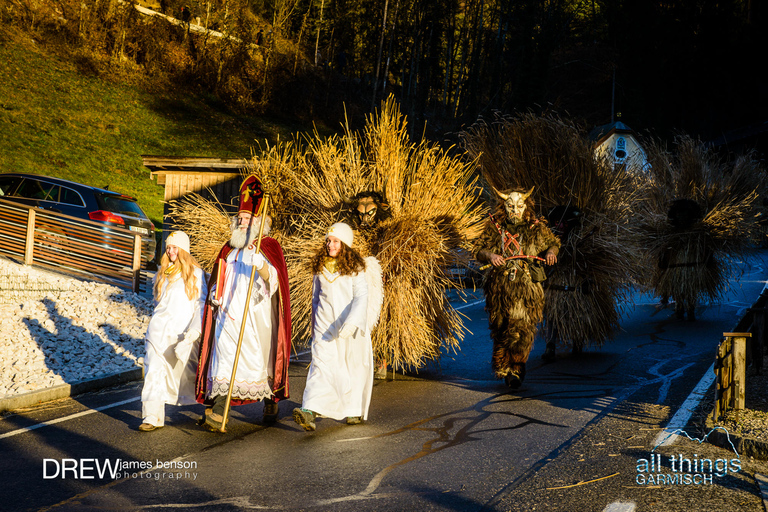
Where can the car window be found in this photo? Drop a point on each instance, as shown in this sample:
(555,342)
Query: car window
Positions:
(8,184)
(123,206)
(69,196)
(34,189)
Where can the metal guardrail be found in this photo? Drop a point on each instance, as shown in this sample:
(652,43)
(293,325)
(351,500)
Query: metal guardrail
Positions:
(80,247)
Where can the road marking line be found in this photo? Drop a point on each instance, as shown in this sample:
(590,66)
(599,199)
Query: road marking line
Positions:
(65,418)
(667,437)
(618,506)
(297,355)
(762,483)
(470,304)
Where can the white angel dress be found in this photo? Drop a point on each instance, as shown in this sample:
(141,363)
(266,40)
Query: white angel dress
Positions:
(170,362)
(345,309)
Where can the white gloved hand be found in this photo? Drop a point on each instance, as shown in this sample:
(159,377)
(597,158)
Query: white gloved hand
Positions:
(258,261)
(212,296)
(191,335)
(184,347)
(347,331)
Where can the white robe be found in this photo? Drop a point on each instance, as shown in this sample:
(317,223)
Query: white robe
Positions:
(167,379)
(340,378)
(255,366)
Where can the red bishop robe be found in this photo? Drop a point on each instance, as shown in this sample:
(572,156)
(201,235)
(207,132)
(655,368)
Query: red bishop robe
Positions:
(274,253)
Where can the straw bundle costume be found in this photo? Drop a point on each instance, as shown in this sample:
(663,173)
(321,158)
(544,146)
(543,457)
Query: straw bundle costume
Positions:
(411,205)
(512,243)
(262,370)
(347,297)
(426,206)
(173,334)
(587,204)
(700,214)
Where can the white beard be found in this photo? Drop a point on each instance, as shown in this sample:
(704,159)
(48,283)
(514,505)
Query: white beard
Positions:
(243,238)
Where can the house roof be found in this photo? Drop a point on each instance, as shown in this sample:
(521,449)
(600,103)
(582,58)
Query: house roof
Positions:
(192,163)
(600,133)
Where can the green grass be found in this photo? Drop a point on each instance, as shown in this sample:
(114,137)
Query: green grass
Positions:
(58,122)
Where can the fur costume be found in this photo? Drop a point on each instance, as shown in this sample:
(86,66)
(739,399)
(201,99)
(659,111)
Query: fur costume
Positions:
(587,204)
(513,293)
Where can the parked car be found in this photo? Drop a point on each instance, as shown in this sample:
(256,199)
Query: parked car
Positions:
(81,201)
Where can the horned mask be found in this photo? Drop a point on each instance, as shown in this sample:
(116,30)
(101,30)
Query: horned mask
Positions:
(514,203)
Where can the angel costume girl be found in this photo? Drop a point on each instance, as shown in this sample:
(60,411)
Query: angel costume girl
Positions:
(173,334)
(347,297)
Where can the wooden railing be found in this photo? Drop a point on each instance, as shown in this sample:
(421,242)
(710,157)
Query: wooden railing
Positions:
(80,247)
(731,373)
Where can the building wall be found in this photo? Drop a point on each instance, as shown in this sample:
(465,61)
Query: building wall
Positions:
(634,155)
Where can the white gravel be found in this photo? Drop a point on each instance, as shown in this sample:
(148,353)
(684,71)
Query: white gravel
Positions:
(56,329)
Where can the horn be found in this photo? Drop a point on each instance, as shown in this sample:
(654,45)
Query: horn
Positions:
(527,194)
(503,196)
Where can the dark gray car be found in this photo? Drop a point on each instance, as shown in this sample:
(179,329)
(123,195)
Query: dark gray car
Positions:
(81,201)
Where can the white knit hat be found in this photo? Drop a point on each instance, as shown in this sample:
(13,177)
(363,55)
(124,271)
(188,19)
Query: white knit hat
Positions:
(179,239)
(343,232)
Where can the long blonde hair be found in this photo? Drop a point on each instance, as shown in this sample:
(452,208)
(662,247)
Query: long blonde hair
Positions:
(187,264)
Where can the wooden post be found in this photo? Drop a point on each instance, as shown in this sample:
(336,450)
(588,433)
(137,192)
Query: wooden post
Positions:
(722,389)
(739,371)
(29,244)
(136,262)
(733,370)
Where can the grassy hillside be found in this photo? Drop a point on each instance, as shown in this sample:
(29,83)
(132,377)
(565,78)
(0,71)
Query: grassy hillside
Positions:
(57,121)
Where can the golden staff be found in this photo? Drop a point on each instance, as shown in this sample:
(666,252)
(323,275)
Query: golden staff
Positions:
(263,213)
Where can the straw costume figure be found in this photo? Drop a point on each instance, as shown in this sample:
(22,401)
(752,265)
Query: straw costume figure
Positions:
(367,210)
(700,214)
(587,204)
(511,242)
(425,205)
(261,300)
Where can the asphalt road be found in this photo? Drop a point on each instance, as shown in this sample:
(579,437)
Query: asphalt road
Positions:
(447,438)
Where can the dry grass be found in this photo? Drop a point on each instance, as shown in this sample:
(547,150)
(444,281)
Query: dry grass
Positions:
(207,223)
(433,201)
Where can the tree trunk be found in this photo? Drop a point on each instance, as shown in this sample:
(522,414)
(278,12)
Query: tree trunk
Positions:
(378,60)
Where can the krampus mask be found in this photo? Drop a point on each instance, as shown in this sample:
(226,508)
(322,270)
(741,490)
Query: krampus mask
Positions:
(370,208)
(514,203)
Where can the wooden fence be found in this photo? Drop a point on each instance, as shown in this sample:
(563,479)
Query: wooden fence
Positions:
(79,247)
(731,373)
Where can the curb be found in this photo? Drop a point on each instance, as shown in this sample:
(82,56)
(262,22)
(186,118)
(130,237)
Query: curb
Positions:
(744,447)
(67,390)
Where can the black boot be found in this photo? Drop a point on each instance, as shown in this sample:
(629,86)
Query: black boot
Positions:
(514,379)
(270,410)
(549,355)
